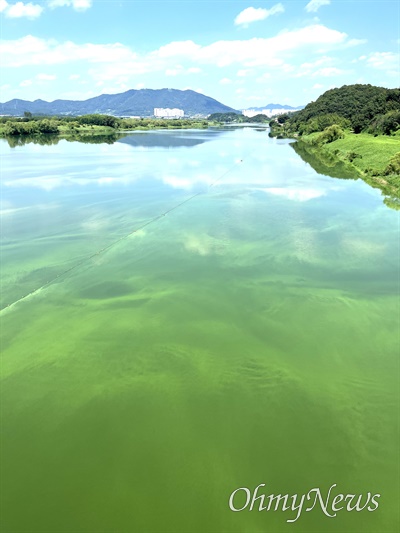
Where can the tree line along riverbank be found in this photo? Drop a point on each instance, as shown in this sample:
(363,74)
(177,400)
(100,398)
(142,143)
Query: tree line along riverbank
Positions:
(89,124)
(356,125)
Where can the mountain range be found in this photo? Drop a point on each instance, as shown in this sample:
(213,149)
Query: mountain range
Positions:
(134,103)
(274,107)
(130,103)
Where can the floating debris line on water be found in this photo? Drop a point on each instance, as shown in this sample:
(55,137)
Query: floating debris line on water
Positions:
(114,243)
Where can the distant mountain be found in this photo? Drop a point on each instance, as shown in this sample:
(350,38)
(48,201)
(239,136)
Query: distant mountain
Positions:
(133,102)
(270,110)
(273,107)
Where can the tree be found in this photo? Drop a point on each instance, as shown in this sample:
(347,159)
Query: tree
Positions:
(359,104)
(394,165)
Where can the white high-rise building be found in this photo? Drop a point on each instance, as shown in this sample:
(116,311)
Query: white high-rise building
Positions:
(161,112)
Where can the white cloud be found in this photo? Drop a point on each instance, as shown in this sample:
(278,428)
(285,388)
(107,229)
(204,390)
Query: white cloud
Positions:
(252,14)
(266,77)
(322,67)
(25,83)
(119,60)
(252,52)
(177,49)
(20,9)
(314,5)
(225,81)
(298,195)
(355,42)
(114,89)
(78,5)
(309,68)
(384,60)
(81,5)
(328,72)
(317,86)
(118,65)
(46,77)
(31,50)
(243,73)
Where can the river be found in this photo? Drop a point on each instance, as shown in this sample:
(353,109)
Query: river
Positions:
(185,313)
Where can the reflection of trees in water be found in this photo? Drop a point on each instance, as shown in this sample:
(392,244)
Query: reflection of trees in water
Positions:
(21,140)
(324,163)
(328,165)
(109,138)
(49,139)
(393,202)
(143,139)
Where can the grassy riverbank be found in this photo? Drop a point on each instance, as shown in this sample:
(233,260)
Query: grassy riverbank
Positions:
(353,131)
(367,153)
(373,158)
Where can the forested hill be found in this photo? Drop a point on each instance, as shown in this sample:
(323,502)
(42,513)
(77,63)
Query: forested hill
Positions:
(133,102)
(364,106)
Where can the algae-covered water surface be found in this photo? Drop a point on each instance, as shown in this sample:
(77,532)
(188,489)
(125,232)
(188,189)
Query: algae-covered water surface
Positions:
(189,313)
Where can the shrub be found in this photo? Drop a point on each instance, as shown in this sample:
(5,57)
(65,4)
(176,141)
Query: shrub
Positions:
(353,155)
(47,126)
(386,124)
(394,165)
(20,128)
(283,118)
(330,134)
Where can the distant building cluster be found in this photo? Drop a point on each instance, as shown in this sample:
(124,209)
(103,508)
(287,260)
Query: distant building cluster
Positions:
(160,112)
(268,112)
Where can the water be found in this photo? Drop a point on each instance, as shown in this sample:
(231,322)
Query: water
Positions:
(154,364)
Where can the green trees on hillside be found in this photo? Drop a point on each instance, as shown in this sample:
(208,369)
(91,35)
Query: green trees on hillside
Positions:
(385,124)
(321,122)
(330,134)
(359,107)
(238,118)
(258,119)
(226,117)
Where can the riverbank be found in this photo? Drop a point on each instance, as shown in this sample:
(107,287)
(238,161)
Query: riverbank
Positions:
(375,159)
(92,125)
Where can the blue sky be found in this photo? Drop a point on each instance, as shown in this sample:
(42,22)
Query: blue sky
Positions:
(244,54)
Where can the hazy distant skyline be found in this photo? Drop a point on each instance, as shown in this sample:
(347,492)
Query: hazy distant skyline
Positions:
(244,54)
